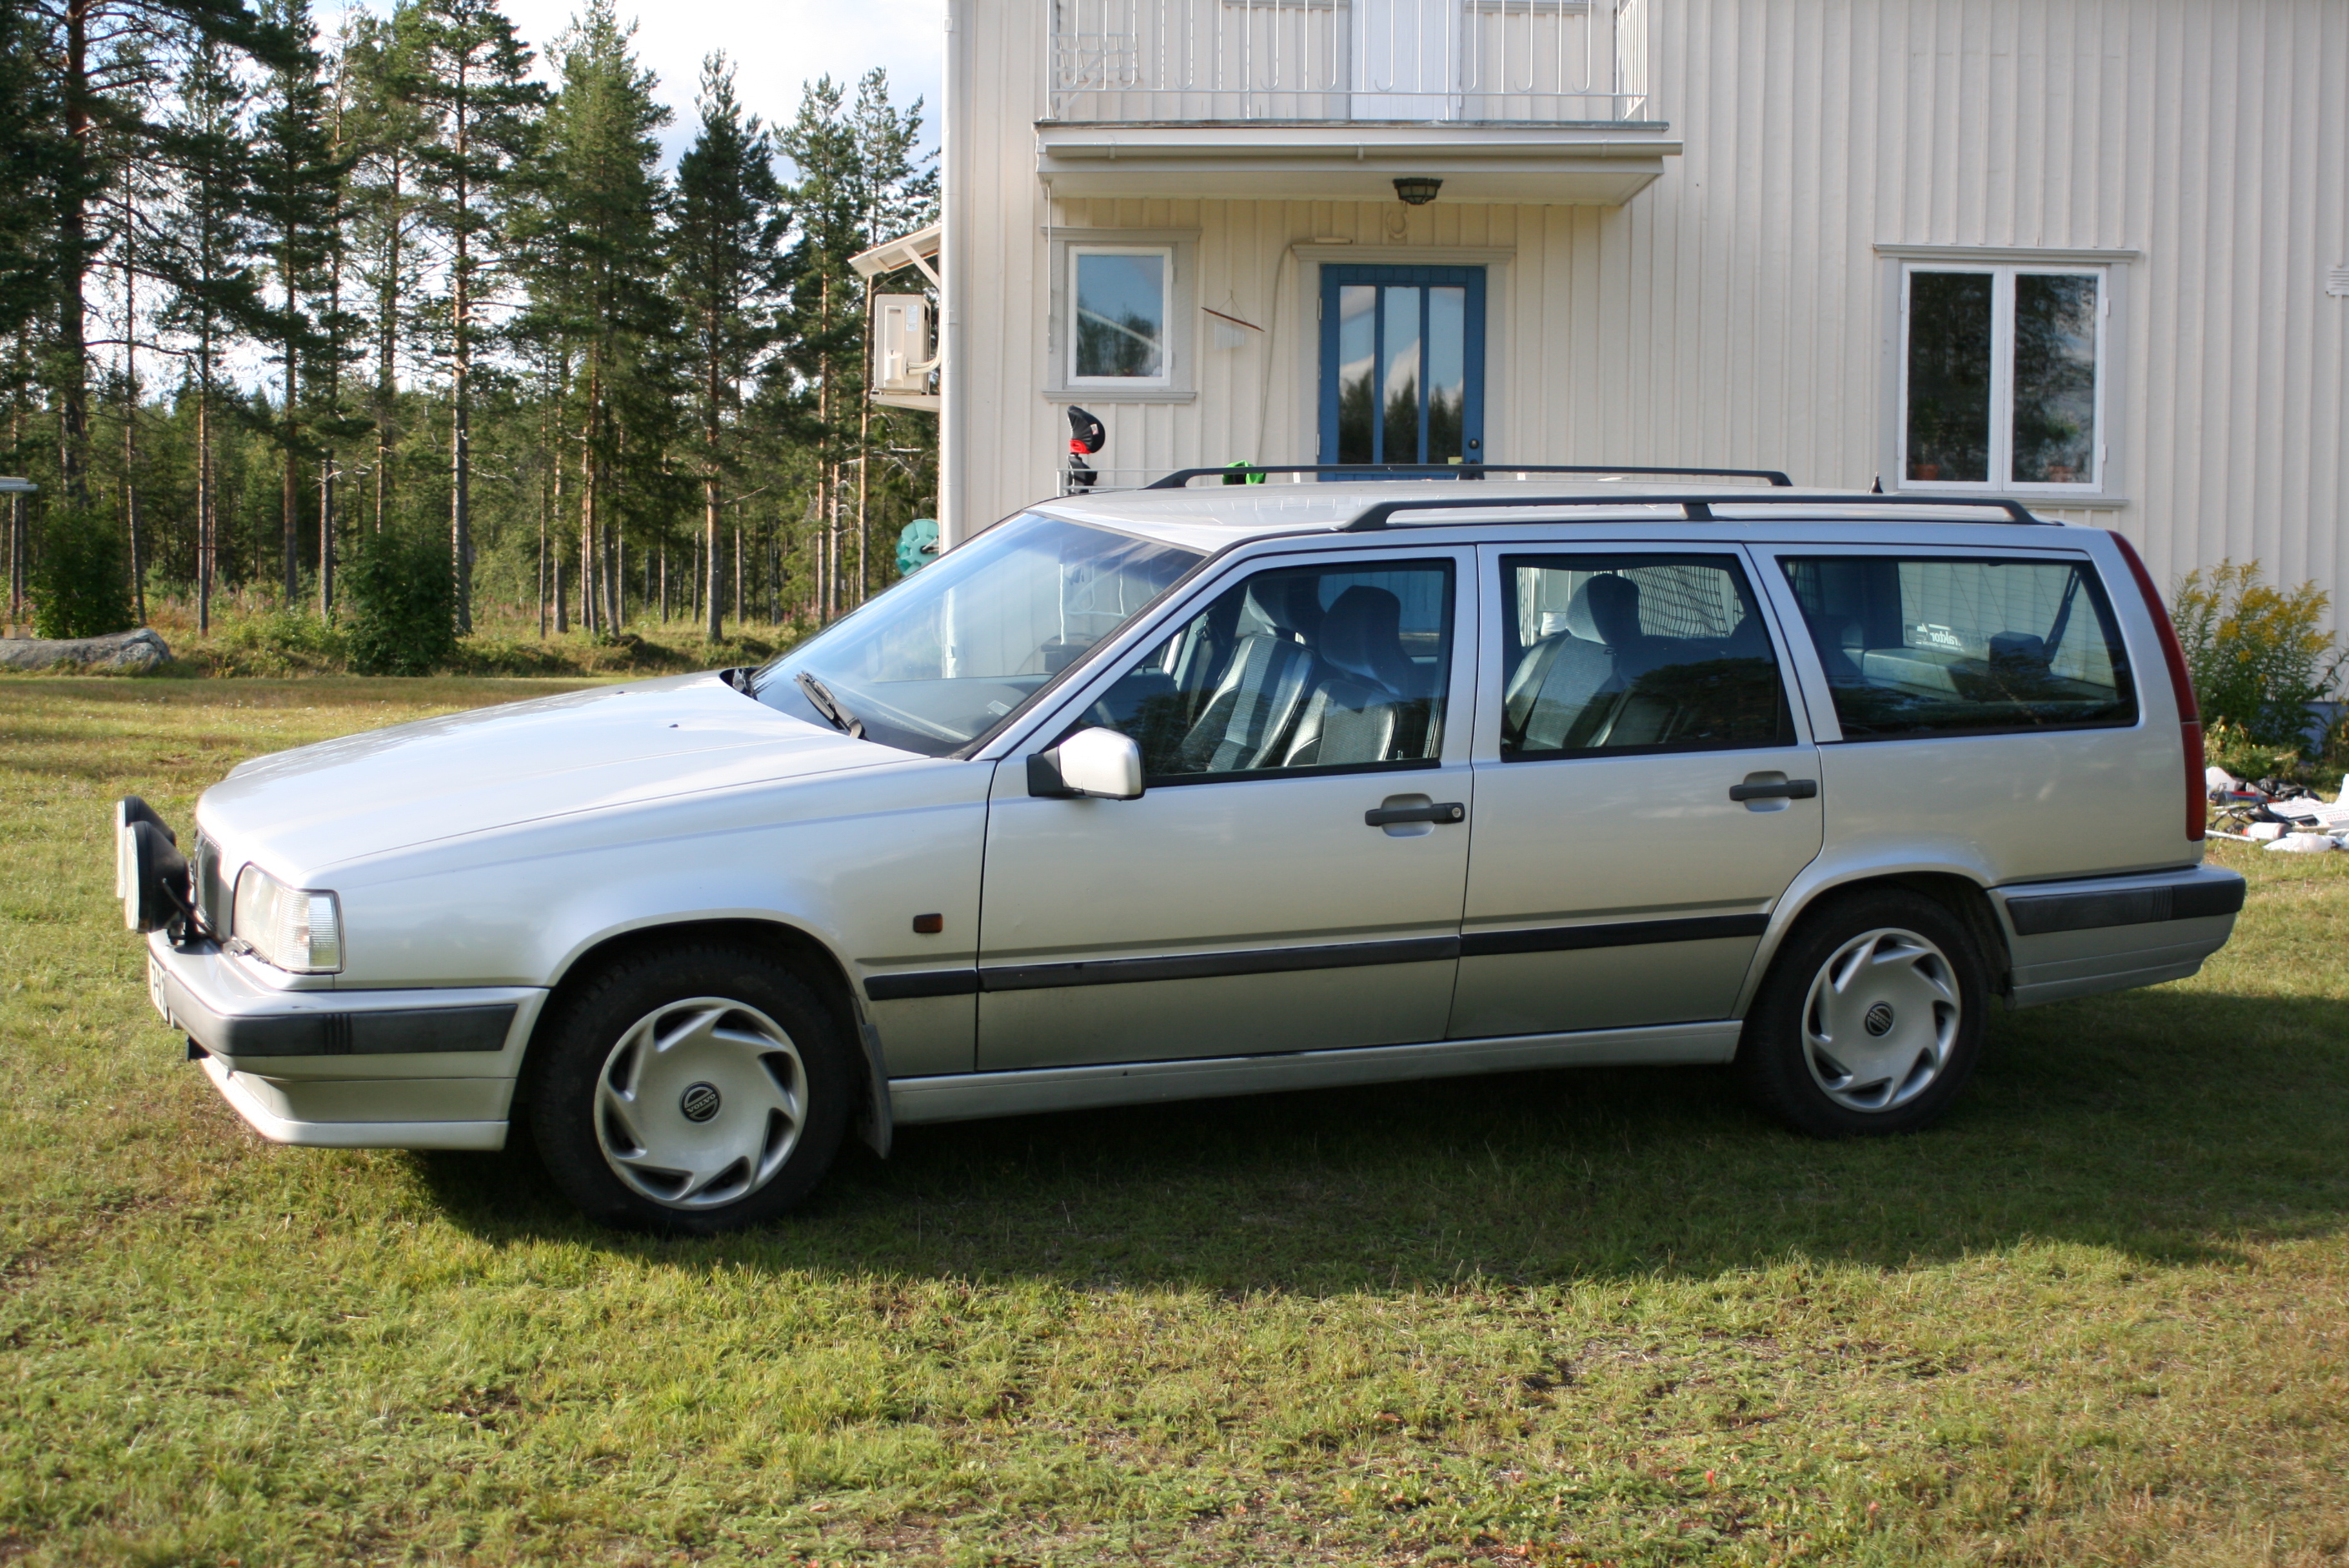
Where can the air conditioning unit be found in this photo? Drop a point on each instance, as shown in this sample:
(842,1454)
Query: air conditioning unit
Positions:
(904,353)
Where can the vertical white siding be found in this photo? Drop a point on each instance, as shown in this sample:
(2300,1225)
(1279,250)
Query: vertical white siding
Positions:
(1730,315)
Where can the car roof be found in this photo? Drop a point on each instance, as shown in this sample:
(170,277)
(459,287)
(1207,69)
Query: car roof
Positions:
(1216,517)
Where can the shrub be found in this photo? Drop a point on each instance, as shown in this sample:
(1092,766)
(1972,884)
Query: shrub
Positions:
(2259,655)
(400,595)
(277,643)
(81,583)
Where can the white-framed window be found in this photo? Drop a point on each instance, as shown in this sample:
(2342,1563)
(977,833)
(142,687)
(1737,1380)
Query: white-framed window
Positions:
(2004,377)
(1121,315)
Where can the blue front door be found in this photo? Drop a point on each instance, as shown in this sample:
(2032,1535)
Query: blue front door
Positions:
(1402,364)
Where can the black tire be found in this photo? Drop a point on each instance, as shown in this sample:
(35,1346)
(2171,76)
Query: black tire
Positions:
(756,1041)
(1908,964)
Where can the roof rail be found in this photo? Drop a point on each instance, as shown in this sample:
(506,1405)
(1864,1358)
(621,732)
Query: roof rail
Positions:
(1237,473)
(1695,507)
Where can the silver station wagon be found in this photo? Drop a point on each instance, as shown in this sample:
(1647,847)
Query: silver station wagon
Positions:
(1218,789)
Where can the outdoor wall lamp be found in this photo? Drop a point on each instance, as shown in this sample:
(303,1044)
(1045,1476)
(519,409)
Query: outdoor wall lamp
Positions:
(1417,189)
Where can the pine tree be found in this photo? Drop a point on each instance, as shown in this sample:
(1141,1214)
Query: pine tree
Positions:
(726,266)
(473,84)
(36,160)
(384,125)
(90,50)
(205,253)
(298,202)
(859,183)
(594,228)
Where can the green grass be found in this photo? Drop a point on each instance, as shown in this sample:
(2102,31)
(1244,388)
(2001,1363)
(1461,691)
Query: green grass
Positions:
(2102,1316)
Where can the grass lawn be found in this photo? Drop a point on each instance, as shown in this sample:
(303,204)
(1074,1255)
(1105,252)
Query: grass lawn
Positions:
(2102,1316)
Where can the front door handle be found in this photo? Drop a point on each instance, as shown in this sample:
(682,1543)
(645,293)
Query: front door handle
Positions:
(1441,811)
(1783,789)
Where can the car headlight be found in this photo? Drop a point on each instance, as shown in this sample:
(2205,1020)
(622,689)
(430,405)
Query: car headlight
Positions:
(294,928)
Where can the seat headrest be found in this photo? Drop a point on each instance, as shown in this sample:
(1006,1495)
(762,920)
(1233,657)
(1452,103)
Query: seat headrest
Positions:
(1606,610)
(1291,601)
(1362,634)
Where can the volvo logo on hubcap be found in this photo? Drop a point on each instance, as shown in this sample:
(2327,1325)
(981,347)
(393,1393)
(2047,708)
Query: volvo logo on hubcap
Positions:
(1878,1021)
(699,1103)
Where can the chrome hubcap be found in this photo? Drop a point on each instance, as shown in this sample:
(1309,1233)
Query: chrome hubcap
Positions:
(700,1103)
(1881,1019)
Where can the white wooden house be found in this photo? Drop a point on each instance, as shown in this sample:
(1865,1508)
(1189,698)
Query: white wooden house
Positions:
(2090,253)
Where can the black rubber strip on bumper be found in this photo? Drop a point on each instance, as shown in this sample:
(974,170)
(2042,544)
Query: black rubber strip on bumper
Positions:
(2048,914)
(404,1032)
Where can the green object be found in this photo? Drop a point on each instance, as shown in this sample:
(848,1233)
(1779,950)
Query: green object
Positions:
(81,587)
(399,604)
(1243,479)
(918,546)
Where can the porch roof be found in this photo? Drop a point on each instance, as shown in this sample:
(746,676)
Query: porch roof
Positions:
(1594,164)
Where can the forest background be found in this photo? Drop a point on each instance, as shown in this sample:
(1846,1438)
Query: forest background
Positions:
(397,332)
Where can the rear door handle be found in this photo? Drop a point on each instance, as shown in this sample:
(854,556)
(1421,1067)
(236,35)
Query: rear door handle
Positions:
(1784,790)
(1441,811)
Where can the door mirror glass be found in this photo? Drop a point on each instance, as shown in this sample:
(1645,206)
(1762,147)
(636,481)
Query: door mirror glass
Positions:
(1100,763)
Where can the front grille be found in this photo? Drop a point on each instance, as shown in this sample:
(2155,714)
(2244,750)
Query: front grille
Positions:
(211,895)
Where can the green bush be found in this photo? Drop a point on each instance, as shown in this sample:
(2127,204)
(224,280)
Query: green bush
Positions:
(2259,655)
(278,643)
(400,598)
(81,583)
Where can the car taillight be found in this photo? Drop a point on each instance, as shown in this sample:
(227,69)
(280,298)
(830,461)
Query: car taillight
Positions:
(2190,712)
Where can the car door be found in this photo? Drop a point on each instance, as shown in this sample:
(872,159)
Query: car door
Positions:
(1645,789)
(1244,903)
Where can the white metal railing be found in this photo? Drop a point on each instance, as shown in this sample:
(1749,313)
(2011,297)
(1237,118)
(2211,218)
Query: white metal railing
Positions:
(1544,62)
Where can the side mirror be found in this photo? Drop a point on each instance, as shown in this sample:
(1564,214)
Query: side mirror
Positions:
(1100,763)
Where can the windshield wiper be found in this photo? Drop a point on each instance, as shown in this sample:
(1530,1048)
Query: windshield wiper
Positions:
(829,706)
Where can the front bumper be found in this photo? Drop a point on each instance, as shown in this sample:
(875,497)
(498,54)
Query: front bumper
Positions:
(348,1069)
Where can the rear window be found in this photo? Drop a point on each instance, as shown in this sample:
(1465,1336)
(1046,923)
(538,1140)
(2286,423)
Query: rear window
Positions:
(1954,646)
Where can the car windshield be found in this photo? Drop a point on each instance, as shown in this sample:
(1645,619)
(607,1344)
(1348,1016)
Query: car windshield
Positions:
(949,653)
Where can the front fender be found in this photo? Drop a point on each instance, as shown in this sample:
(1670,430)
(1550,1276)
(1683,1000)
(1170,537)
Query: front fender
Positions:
(849,860)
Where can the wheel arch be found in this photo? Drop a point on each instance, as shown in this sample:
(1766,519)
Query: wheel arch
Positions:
(1964,895)
(797,950)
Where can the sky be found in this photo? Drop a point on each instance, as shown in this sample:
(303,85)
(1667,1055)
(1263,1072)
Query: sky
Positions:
(775,45)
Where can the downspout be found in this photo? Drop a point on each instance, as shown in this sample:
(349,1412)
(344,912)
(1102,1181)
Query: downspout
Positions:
(1283,279)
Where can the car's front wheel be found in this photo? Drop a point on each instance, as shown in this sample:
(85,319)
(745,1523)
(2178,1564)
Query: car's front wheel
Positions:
(1871,1020)
(695,1088)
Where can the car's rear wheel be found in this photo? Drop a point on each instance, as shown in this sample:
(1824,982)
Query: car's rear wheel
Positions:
(1871,1020)
(694,1088)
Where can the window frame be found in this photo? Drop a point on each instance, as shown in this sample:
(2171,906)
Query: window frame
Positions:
(1828,718)
(1168,618)
(2112,269)
(1506,558)
(1072,255)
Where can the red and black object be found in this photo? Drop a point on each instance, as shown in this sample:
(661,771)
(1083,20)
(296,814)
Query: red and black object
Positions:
(1087,435)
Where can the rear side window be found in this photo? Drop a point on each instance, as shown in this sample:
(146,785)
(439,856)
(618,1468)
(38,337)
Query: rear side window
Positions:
(1616,655)
(1949,646)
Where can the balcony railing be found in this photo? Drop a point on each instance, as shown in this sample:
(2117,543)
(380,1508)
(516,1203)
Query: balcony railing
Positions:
(1546,62)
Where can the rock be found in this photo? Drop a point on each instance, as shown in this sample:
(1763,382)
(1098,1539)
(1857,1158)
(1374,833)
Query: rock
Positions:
(122,654)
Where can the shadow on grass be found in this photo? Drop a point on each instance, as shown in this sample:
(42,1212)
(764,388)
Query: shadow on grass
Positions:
(2166,1125)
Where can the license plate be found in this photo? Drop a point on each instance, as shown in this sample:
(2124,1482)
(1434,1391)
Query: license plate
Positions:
(155,989)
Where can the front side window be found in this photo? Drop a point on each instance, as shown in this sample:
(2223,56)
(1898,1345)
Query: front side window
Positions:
(2001,371)
(1619,655)
(1322,668)
(1925,647)
(1118,302)
(949,653)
